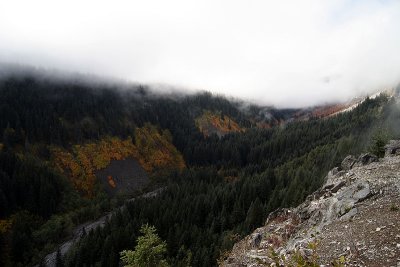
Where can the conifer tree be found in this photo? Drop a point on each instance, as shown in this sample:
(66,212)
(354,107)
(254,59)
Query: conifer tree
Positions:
(149,251)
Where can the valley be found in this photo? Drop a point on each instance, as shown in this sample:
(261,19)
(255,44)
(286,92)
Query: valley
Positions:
(200,133)
(72,154)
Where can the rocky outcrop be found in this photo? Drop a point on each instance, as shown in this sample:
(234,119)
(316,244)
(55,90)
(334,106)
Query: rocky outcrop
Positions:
(354,216)
(350,161)
(392,148)
(365,159)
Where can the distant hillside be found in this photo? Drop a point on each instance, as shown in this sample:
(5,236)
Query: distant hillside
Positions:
(150,148)
(216,123)
(335,109)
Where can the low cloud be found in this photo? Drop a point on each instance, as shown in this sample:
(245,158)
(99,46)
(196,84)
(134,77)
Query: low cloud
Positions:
(286,53)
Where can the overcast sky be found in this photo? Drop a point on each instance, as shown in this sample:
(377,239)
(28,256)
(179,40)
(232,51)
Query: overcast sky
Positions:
(286,53)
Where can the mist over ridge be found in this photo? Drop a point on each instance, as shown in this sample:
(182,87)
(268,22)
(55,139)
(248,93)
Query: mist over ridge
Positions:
(286,53)
(72,78)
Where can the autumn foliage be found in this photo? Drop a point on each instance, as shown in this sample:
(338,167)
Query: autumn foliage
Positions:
(153,149)
(5,225)
(326,111)
(111,181)
(211,122)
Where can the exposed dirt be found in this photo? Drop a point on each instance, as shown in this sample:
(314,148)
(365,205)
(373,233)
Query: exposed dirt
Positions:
(370,238)
(122,176)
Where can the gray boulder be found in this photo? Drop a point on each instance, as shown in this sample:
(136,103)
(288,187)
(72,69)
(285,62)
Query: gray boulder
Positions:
(349,214)
(392,148)
(351,195)
(363,191)
(348,162)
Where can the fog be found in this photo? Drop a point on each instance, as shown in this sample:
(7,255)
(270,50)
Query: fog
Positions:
(284,53)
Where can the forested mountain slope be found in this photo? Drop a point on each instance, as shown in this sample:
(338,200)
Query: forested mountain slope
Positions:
(58,135)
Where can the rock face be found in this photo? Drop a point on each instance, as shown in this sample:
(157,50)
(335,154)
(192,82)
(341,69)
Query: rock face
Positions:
(340,219)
